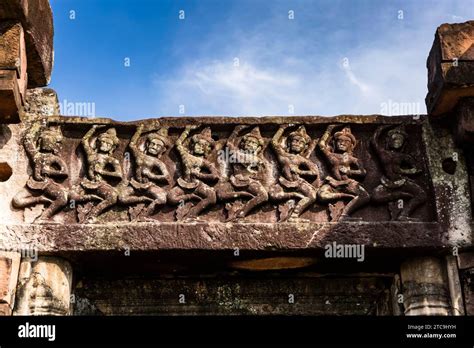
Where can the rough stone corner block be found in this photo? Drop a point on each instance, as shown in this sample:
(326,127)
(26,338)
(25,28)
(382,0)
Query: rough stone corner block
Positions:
(37,20)
(42,102)
(44,287)
(450,67)
(13,71)
(9,267)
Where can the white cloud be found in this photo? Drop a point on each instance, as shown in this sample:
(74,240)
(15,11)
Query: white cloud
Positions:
(365,89)
(278,71)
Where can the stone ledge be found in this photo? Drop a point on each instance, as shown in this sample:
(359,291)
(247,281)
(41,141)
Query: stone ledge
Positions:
(52,238)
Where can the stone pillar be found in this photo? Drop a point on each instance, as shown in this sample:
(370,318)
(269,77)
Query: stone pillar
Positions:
(454,282)
(9,267)
(424,286)
(44,287)
(466,268)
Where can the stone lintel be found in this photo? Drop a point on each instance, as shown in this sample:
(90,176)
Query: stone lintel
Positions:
(99,215)
(105,238)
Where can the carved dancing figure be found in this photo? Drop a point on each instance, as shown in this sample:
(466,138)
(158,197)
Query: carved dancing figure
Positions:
(249,171)
(397,166)
(296,170)
(344,167)
(150,171)
(104,174)
(198,174)
(44,186)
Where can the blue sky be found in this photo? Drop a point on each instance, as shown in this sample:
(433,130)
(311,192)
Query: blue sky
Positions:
(246,57)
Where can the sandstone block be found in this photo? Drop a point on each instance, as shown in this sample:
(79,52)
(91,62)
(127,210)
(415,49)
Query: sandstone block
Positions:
(44,287)
(13,71)
(37,20)
(10,97)
(424,287)
(9,266)
(450,67)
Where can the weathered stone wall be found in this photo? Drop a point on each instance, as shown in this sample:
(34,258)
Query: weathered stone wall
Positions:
(127,220)
(229,295)
(232,215)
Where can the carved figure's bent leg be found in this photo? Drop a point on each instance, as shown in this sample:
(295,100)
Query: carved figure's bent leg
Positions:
(310,194)
(410,191)
(126,196)
(362,198)
(418,198)
(59,197)
(25,199)
(110,197)
(260,195)
(159,199)
(208,198)
(328,194)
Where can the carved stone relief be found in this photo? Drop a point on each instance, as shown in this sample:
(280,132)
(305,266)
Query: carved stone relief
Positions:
(154,172)
(396,188)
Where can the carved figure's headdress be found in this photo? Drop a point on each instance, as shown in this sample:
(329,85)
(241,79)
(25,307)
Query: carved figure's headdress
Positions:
(205,134)
(398,130)
(52,132)
(254,134)
(161,135)
(300,133)
(110,134)
(346,133)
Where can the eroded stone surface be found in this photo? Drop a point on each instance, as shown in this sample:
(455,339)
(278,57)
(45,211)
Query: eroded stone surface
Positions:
(9,268)
(425,289)
(37,21)
(44,287)
(41,102)
(221,236)
(233,296)
(450,67)
(222,172)
(219,183)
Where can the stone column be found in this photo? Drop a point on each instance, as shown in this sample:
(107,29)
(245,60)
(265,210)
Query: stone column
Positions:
(9,267)
(424,286)
(455,288)
(44,287)
(466,268)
